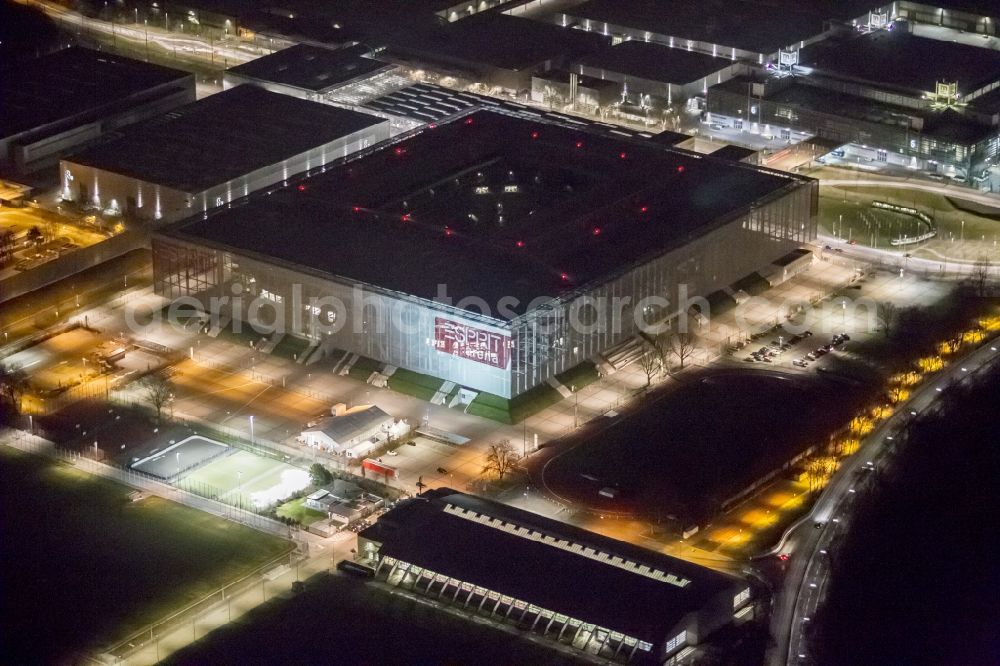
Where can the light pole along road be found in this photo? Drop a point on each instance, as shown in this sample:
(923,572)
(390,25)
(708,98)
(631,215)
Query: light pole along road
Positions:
(802,590)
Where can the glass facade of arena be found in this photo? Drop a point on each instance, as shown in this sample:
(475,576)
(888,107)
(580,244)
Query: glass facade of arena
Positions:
(553,339)
(502,357)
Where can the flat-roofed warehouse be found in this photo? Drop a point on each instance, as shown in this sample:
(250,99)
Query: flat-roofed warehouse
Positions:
(909,69)
(57,102)
(491,251)
(736,29)
(599,595)
(653,69)
(213,151)
(307,71)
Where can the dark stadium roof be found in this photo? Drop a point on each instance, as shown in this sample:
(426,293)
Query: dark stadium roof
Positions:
(73,82)
(421,532)
(655,62)
(752,26)
(312,67)
(492,206)
(901,60)
(222,137)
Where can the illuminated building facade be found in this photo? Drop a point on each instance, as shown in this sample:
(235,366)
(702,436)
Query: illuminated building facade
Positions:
(492,251)
(577,588)
(212,152)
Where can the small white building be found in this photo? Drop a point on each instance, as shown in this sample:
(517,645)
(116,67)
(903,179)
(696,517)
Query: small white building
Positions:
(353,432)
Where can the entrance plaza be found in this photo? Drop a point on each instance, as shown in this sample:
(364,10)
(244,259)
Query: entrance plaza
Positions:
(224,382)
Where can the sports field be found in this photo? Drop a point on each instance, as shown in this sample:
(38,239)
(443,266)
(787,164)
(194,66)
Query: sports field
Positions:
(692,446)
(245,479)
(183,455)
(86,567)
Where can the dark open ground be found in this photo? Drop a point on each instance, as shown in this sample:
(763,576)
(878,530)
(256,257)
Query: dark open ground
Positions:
(340,620)
(915,579)
(691,446)
(81,565)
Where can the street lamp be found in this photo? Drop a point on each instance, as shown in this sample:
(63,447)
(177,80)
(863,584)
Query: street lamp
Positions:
(251,430)
(576,406)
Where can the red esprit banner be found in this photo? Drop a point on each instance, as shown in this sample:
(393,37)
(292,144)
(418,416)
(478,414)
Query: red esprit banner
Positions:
(473,343)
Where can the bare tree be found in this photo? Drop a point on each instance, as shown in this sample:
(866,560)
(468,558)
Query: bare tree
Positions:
(682,346)
(887,313)
(650,364)
(158,391)
(35,236)
(7,245)
(13,385)
(501,458)
(818,471)
(552,97)
(981,275)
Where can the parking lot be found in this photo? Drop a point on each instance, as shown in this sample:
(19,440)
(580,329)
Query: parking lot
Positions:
(56,235)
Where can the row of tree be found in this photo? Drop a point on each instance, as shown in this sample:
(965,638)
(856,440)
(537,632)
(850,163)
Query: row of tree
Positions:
(13,385)
(8,243)
(655,360)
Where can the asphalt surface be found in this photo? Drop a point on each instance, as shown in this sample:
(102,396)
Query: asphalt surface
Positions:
(807,546)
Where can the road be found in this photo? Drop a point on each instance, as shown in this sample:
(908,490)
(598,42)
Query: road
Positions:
(944,189)
(217,53)
(862,253)
(808,571)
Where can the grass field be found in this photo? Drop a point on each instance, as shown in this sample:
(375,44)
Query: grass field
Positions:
(85,567)
(374,626)
(290,347)
(579,376)
(517,409)
(297,511)
(415,384)
(246,479)
(953,223)
(363,368)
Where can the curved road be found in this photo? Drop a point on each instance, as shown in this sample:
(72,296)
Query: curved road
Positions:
(867,254)
(954,191)
(802,590)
